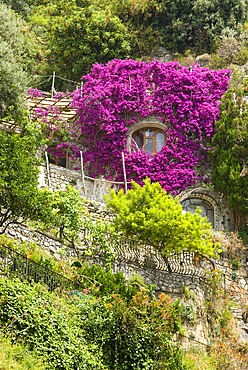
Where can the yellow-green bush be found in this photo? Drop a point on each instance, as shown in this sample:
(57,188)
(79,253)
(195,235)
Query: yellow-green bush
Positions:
(18,357)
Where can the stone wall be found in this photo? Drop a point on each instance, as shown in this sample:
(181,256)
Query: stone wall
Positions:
(25,233)
(59,177)
(95,189)
(234,281)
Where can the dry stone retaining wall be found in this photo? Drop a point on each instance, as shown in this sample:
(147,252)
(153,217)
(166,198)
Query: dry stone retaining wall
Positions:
(59,177)
(234,281)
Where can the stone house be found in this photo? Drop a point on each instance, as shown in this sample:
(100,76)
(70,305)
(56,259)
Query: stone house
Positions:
(149,134)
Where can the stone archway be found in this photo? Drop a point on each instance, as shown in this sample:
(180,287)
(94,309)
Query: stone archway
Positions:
(206,201)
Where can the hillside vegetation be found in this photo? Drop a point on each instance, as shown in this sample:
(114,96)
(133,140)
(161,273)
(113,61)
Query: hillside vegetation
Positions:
(77,330)
(69,36)
(116,323)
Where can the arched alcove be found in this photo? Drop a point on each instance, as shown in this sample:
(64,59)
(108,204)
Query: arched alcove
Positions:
(206,201)
(207,210)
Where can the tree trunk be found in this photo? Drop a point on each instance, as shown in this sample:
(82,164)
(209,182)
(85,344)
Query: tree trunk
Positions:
(239,220)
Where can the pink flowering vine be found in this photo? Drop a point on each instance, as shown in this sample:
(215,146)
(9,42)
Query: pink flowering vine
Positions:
(121,93)
(35,93)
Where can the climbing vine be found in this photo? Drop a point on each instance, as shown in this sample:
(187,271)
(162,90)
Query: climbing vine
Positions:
(119,94)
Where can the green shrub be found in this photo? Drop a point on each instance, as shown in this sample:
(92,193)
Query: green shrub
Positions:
(235,264)
(48,325)
(135,335)
(85,334)
(110,283)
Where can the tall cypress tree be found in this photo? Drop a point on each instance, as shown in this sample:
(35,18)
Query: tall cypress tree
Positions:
(230,156)
(13,62)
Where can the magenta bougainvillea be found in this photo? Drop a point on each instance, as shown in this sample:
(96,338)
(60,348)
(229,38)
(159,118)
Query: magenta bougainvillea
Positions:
(117,95)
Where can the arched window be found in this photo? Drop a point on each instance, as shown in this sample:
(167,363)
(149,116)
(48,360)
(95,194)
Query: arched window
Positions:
(149,139)
(190,205)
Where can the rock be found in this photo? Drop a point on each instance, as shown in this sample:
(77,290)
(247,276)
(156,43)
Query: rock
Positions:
(162,54)
(242,272)
(203,60)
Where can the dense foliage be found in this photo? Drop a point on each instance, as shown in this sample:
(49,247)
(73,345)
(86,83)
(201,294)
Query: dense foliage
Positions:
(14,55)
(140,19)
(177,25)
(76,34)
(197,23)
(110,283)
(117,95)
(68,37)
(92,334)
(18,179)
(48,327)
(20,198)
(230,156)
(149,214)
(79,34)
(135,335)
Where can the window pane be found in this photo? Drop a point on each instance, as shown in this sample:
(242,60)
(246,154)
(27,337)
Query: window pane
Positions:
(148,131)
(159,141)
(138,140)
(148,145)
(62,162)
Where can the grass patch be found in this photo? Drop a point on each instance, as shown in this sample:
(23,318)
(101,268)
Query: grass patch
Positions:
(199,360)
(18,357)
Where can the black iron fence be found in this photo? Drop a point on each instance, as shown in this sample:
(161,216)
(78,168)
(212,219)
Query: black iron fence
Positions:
(14,264)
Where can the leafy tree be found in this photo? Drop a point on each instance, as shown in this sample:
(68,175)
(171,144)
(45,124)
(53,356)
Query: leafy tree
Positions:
(79,35)
(179,24)
(15,61)
(18,179)
(139,18)
(230,156)
(63,212)
(20,198)
(19,6)
(195,24)
(149,214)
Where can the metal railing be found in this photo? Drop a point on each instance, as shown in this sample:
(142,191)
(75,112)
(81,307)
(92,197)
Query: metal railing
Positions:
(135,252)
(16,265)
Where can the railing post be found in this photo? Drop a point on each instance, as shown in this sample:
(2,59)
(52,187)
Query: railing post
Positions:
(124,171)
(82,173)
(48,174)
(26,269)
